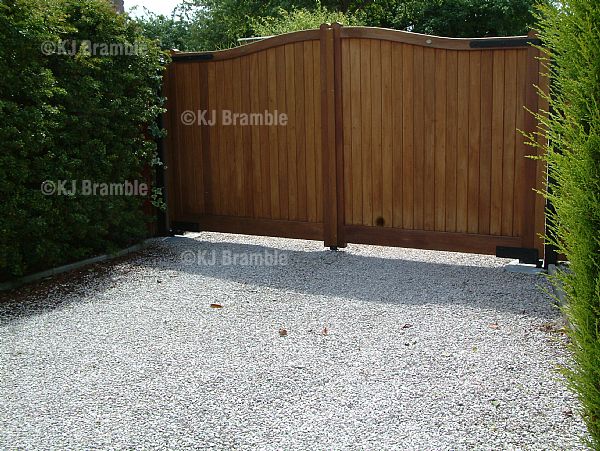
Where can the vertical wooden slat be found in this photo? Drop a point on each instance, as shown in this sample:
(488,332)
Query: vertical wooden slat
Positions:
(196,154)
(485,153)
(290,85)
(256,154)
(265,165)
(462,149)
(520,147)
(186,168)
(229,138)
(366,149)
(387,134)
(311,194)
(451,139)
(418,140)
(316,99)
(213,149)
(273,145)
(375,124)
(440,139)
(206,166)
(282,135)
(238,150)
(429,71)
(474,141)
(508,155)
(407,136)
(247,141)
(355,105)
(397,133)
(347,121)
(300,129)
(497,143)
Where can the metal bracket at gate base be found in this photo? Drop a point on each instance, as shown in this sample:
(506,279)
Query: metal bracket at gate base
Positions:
(177,228)
(524,254)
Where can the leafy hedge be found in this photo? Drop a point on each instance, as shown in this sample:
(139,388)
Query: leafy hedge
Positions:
(572,37)
(74,116)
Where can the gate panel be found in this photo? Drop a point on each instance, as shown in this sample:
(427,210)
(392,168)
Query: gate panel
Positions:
(392,138)
(432,153)
(264,179)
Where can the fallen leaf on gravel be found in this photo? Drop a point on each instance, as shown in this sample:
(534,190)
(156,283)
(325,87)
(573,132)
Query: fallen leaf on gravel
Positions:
(495,403)
(325,331)
(282,332)
(216,306)
(494,326)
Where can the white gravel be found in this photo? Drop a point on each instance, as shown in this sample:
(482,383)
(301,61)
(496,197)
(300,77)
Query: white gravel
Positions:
(366,348)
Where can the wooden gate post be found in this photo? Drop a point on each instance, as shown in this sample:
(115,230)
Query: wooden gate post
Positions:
(332,151)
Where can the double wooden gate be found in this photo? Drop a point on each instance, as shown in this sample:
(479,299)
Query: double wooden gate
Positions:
(391,138)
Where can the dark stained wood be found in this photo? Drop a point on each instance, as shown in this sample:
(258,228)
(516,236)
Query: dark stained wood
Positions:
(339,135)
(330,207)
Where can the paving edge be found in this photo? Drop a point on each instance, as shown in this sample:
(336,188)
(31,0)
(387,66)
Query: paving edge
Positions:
(71,266)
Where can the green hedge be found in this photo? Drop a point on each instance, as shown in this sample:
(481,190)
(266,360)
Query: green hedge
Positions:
(77,116)
(572,36)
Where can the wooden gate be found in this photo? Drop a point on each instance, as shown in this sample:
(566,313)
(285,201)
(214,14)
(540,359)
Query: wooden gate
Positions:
(391,138)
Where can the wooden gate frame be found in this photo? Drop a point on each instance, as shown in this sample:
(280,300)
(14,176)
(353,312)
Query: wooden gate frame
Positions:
(335,233)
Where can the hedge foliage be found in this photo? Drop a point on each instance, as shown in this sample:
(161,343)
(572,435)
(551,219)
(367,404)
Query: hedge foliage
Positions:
(572,37)
(77,116)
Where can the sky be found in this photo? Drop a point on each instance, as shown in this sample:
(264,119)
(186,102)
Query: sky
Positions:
(158,6)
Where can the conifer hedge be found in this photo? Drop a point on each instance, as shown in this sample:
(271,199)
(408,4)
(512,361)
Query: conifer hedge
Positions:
(571,35)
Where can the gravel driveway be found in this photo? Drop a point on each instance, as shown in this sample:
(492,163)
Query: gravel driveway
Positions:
(367,348)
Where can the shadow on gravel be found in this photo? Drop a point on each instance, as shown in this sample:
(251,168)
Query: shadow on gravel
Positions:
(62,290)
(345,275)
(322,273)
